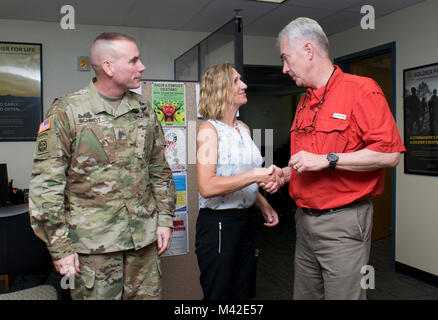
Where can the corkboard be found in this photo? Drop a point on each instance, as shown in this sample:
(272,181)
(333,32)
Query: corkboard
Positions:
(181,273)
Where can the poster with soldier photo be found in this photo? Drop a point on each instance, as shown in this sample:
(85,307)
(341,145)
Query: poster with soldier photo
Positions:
(421,119)
(20,91)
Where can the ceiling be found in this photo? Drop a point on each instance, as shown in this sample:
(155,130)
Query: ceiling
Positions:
(261,19)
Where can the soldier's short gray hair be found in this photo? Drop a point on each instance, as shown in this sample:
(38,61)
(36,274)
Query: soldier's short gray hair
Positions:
(308,29)
(112,36)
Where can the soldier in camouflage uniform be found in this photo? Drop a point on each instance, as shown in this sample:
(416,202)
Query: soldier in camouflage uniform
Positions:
(102,195)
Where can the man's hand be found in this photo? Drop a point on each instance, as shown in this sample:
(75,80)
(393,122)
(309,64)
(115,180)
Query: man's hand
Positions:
(68,265)
(306,161)
(164,237)
(280,174)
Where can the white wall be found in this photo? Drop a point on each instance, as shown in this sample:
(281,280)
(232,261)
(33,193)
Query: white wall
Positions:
(414,31)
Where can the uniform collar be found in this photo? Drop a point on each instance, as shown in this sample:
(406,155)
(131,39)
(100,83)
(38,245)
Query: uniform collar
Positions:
(314,96)
(98,104)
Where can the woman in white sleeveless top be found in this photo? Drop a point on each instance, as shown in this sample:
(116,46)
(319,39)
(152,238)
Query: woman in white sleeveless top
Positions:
(229,171)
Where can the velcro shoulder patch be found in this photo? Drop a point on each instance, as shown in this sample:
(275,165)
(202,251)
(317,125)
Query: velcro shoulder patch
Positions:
(45,125)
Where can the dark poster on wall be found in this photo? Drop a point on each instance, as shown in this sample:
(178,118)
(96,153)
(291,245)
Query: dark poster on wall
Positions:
(421,119)
(20,91)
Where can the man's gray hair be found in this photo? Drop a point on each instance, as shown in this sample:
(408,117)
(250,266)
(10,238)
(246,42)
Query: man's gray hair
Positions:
(308,29)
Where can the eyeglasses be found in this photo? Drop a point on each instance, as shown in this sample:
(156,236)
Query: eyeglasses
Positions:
(310,128)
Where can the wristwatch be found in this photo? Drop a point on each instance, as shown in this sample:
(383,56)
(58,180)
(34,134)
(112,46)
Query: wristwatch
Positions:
(333,160)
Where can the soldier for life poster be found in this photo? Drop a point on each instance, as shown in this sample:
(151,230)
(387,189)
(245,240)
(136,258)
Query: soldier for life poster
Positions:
(20,91)
(421,119)
(169,103)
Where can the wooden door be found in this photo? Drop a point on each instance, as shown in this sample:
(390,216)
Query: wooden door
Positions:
(379,68)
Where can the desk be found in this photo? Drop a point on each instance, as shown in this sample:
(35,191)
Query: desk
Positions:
(13,210)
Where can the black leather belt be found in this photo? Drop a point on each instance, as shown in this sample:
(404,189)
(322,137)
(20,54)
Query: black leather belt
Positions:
(317,212)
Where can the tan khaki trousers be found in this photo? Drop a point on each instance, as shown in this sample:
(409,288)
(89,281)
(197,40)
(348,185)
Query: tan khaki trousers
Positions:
(330,251)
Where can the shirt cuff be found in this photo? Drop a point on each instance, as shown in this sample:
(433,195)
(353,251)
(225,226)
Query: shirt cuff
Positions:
(165,220)
(62,250)
(386,147)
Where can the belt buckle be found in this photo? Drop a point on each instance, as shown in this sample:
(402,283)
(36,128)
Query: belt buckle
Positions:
(314,212)
(317,212)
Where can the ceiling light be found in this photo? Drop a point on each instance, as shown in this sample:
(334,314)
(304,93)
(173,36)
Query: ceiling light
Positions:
(272,1)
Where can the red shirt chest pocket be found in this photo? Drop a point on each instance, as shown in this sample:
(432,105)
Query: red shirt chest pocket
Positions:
(330,135)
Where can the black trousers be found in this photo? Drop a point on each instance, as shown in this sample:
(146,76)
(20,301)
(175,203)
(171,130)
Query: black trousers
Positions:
(225,248)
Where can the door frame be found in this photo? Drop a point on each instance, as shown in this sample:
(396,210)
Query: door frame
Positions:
(344,63)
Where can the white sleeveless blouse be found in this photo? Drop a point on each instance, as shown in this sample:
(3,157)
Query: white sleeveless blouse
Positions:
(237,153)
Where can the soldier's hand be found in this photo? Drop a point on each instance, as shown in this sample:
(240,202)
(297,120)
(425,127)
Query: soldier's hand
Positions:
(68,265)
(164,236)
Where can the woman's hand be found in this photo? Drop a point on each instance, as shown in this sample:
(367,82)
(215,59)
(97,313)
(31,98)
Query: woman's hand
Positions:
(268,179)
(270,215)
(263,175)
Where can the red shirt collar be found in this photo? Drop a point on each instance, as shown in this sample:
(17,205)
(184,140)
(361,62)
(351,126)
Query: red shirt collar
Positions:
(314,96)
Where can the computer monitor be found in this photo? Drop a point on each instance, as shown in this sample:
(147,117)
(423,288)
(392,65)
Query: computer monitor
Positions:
(4,187)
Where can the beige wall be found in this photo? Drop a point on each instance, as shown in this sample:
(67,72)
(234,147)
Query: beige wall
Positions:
(260,51)
(414,31)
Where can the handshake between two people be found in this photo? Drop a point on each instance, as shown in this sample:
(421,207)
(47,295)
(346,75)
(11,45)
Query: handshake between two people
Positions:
(274,177)
(270,179)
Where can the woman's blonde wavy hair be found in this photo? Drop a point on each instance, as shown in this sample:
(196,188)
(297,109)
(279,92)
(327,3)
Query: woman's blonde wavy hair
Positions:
(216,92)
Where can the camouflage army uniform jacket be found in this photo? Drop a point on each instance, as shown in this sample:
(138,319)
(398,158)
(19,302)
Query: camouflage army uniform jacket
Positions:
(100,181)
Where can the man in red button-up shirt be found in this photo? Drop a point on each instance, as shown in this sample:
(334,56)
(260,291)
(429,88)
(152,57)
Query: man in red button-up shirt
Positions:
(342,138)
